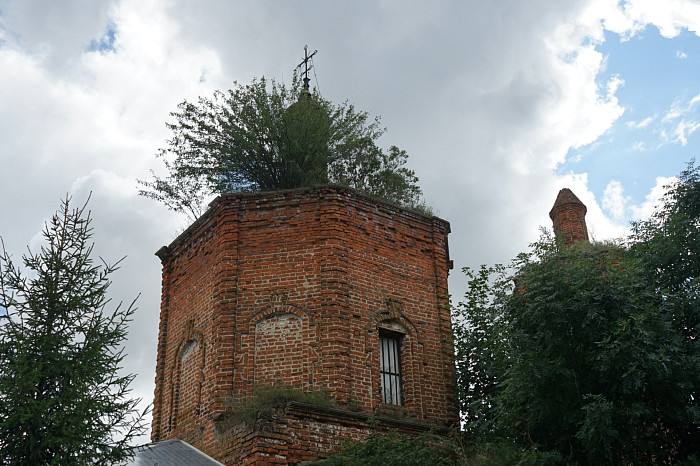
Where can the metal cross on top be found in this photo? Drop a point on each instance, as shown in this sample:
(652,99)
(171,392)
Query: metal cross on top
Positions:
(307,68)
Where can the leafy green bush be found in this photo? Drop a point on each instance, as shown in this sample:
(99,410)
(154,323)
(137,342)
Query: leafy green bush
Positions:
(542,458)
(497,453)
(395,449)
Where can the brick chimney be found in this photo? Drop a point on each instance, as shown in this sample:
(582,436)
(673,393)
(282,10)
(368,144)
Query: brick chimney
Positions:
(569,218)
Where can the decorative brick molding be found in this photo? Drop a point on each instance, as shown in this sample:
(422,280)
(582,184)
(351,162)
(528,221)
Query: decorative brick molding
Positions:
(292,287)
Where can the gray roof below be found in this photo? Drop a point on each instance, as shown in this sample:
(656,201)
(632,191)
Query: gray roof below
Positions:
(170,452)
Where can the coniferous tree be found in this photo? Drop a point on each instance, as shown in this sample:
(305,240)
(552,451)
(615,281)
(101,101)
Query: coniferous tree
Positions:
(63,399)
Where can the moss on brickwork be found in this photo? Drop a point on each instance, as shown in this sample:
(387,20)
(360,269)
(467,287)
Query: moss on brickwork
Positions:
(268,398)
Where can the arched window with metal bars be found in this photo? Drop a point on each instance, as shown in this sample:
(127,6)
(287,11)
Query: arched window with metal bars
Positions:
(390,366)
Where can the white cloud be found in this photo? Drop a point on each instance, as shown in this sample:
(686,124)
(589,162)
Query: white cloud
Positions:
(614,200)
(640,124)
(669,16)
(684,129)
(54,33)
(674,112)
(676,123)
(681,55)
(652,200)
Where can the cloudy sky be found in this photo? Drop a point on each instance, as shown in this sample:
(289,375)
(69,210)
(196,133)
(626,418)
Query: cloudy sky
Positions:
(499,105)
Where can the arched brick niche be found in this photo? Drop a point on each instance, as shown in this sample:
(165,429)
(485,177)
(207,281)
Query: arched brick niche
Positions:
(187,380)
(278,348)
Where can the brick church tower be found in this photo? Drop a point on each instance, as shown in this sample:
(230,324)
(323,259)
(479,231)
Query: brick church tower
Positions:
(316,289)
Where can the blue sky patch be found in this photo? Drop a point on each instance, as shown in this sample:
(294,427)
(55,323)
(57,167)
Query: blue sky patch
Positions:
(105,43)
(660,127)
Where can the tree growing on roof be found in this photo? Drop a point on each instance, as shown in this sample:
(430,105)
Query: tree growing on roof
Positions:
(265,136)
(63,399)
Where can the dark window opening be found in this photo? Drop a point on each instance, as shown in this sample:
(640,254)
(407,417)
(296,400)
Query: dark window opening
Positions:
(390,358)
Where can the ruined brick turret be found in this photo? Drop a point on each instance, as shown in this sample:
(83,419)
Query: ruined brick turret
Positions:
(569,218)
(318,289)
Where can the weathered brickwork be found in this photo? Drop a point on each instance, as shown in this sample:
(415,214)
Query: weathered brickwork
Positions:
(300,432)
(292,287)
(569,218)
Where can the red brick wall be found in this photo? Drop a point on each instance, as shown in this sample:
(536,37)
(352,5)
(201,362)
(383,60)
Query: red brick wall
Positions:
(300,432)
(569,218)
(291,287)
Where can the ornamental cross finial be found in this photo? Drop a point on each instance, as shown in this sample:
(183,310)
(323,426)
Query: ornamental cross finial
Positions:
(307,67)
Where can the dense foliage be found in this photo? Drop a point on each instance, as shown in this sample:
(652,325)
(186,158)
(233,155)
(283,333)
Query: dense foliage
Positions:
(62,397)
(264,136)
(480,349)
(590,367)
(394,449)
(589,354)
(668,245)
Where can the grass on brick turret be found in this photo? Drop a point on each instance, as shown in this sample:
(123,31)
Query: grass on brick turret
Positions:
(268,398)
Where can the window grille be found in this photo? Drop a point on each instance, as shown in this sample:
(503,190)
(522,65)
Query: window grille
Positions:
(390,355)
